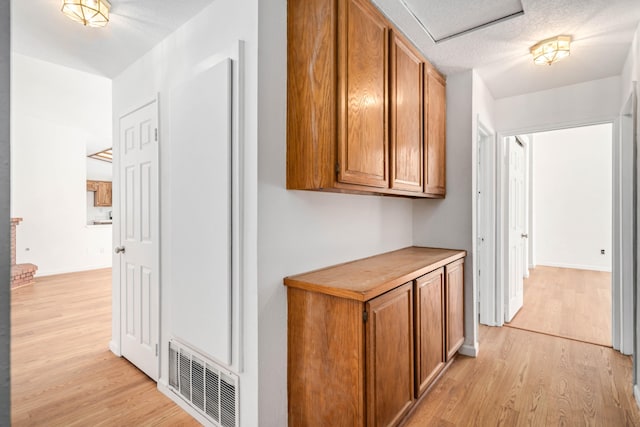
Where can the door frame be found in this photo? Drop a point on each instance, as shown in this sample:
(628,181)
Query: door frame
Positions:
(115,345)
(486,228)
(623,325)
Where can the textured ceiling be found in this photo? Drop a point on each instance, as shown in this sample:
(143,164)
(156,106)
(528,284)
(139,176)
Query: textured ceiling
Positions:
(602,31)
(40,30)
(445,19)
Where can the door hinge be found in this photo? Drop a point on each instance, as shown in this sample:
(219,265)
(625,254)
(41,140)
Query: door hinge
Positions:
(156,134)
(365,316)
(156,350)
(337,167)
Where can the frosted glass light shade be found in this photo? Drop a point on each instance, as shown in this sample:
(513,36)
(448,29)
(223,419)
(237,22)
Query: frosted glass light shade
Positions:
(551,50)
(92,13)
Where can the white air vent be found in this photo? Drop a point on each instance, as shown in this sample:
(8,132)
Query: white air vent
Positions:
(205,385)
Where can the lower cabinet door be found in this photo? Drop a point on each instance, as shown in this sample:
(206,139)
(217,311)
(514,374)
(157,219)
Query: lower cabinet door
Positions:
(455,306)
(389,359)
(430,357)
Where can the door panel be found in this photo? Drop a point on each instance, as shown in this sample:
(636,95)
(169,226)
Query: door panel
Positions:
(363,137)
(201,217)
(139,238)
(406,117)
(516,204)
(389,363)
(454,295)
(430,357)
(435,130)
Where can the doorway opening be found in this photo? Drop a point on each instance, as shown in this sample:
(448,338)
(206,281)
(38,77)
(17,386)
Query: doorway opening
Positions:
(561,240)
(559,202)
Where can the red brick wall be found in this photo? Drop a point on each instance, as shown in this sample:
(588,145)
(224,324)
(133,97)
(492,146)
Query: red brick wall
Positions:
(14,223)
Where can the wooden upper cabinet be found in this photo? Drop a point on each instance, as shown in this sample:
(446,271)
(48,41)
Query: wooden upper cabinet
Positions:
(454,297)
(363,84)
(406,116)
(92,185)
(435,134)
(389,361)
(356,104)
(103,192)
(430,328)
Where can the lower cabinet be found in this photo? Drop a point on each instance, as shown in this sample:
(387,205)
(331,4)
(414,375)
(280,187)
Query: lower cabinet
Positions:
(455,307)
(389,338)
(366,339)
(430,329)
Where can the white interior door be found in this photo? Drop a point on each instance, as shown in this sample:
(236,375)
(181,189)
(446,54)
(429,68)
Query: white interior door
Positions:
(139,244)
(517,236)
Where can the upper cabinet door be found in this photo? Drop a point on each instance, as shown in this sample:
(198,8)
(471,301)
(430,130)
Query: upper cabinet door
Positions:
(406,117)
(363,86)
(435,143)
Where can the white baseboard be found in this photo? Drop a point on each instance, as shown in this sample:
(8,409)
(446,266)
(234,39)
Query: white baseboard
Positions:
(636,394)
(115,349)
(72,270)
(575,266)
(470,350)
(163,387)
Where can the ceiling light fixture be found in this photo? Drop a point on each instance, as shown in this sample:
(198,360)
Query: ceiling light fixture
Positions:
(551,50)
(92,13)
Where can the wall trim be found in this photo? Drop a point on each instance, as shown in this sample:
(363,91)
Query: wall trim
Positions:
(470,350)
(115,348)
(75,270)
(573,266)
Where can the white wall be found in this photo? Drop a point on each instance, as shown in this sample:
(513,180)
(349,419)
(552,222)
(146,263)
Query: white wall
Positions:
(584,103)
(301,230)
(572,197)
(448,223)
(200,43)
(631,69)
(55,111)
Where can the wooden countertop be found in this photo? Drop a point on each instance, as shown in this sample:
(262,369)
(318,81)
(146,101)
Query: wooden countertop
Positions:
(367,278)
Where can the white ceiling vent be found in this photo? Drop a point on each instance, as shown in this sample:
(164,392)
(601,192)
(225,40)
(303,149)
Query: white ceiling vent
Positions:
(205,385)
(444,20)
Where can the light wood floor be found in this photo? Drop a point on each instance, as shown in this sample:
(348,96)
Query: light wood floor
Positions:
(64,375)
(62,372)
(522,378)
(567,303)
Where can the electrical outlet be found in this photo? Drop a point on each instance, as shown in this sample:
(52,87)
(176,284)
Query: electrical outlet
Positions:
(601,251)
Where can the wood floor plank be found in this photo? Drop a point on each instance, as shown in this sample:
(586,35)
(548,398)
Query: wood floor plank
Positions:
(523,378)
(62,372)
(568,303)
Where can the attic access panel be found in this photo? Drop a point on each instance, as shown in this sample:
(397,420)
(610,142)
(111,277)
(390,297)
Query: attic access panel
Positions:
(443,20)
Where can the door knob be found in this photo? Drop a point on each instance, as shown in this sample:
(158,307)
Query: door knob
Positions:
(525,235)
(119,249)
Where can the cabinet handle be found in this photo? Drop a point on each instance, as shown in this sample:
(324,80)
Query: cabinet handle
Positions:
(119,249)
